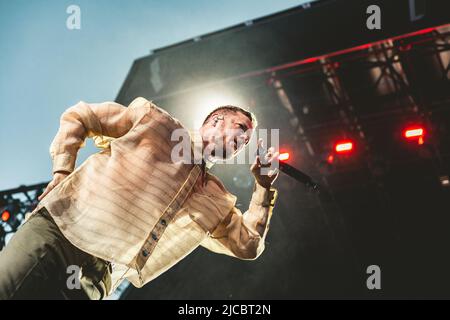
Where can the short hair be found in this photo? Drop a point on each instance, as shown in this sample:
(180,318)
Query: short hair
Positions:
(230,108)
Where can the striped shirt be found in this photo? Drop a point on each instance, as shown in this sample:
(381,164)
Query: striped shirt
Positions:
(130,204)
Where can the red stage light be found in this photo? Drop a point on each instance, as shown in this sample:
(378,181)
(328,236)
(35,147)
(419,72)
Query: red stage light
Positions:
(5,215)
(415,133)
(343,146)
(283,156)
(330,159)
(424,31)
(310,60)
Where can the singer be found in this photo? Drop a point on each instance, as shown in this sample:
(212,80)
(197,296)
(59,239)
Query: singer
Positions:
(129,211)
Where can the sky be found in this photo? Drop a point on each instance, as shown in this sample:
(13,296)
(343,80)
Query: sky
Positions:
(46,67)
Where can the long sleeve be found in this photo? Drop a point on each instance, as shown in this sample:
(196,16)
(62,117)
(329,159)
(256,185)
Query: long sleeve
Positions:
(243,235)
(102,120)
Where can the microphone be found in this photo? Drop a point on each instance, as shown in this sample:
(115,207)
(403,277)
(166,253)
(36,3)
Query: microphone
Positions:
(299,176)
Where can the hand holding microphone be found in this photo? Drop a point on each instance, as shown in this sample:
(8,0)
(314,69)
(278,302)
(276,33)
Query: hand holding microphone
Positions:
(267,158)
(264,160)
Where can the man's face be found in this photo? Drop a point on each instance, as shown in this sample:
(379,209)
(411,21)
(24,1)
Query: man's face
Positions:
(225,134)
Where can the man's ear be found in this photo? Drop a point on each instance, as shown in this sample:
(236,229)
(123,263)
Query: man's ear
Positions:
(216,119)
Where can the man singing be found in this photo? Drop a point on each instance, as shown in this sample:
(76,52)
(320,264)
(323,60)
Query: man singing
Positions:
(130,211)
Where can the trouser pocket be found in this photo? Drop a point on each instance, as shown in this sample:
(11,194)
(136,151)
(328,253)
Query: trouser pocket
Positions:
(96,278)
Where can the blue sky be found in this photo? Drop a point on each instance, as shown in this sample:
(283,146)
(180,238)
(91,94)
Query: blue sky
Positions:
(45,67)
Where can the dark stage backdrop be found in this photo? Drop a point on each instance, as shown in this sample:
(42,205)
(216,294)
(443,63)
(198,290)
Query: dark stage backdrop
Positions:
(385,205)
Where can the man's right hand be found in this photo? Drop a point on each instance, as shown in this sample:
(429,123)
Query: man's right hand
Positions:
(57,178)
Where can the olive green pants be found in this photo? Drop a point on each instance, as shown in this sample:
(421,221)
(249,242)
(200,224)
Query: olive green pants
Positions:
(40,263)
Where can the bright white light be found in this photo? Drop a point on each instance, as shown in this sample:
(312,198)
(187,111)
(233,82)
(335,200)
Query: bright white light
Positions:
(445,182)
(206,101)
(412,133)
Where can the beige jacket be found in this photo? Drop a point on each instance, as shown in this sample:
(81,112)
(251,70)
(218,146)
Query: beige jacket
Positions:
(131,205)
